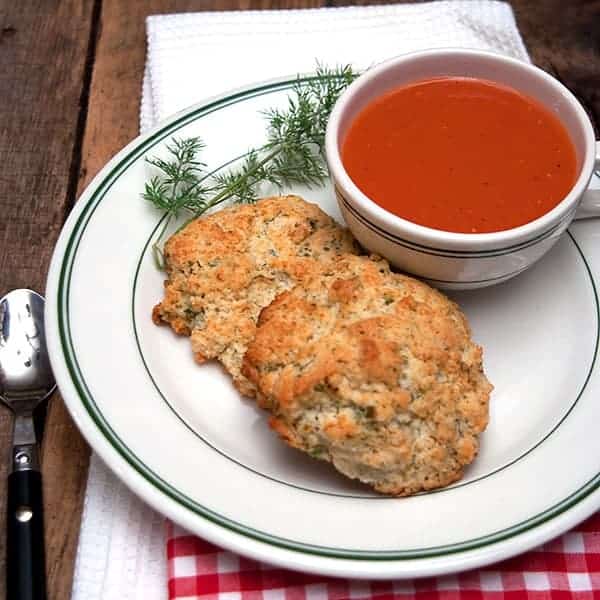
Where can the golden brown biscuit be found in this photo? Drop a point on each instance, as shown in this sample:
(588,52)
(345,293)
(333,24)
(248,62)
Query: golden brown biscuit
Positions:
(224,268)
(374,372)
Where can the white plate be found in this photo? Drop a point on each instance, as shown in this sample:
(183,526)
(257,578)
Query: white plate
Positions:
(183,439)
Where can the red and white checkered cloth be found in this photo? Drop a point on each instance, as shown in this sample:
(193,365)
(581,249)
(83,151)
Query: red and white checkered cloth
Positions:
(567,567)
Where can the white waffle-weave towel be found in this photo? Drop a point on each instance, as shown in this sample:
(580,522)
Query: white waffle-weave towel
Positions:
(121,553)
(198,55)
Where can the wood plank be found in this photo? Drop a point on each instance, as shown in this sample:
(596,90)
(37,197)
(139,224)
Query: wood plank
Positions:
(42,61)
(112,121)
(563,38)
(39,110)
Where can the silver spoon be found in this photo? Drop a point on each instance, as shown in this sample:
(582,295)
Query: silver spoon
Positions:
(25,380)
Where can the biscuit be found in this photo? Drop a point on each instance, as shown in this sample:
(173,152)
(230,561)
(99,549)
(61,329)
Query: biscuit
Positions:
(374,372)
(224,268)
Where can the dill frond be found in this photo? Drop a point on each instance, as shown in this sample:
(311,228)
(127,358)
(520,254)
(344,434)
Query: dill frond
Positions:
(292,155)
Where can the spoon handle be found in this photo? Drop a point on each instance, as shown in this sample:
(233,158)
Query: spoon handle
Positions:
(25,568)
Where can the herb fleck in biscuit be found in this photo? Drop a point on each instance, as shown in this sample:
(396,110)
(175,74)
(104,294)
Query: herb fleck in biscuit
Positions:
(374,372)
(224,268)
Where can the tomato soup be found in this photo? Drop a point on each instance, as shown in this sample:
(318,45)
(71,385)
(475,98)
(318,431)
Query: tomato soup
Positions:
(460,154)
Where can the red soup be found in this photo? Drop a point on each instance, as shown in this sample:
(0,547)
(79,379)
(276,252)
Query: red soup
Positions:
(460,154)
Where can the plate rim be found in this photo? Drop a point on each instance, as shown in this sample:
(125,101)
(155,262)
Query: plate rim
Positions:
(153,494)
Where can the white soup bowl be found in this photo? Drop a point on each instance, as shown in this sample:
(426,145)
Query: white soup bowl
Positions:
(461,260)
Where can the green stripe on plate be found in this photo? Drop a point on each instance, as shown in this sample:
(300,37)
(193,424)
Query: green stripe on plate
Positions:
(163,486)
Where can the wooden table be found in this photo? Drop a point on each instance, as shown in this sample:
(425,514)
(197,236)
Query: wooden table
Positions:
(70,81)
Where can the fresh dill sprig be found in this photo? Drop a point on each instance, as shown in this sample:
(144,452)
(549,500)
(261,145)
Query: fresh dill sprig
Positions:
(293,154)
(305,118)
(178,188)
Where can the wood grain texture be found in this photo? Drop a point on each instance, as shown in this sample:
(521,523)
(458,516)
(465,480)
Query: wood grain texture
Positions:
(43,49)
(564,39)
(39,108)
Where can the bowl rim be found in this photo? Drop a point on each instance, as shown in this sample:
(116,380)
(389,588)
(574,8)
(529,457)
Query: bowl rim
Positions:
(437,237)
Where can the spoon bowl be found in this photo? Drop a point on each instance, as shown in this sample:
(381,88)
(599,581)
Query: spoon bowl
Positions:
(26,378)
